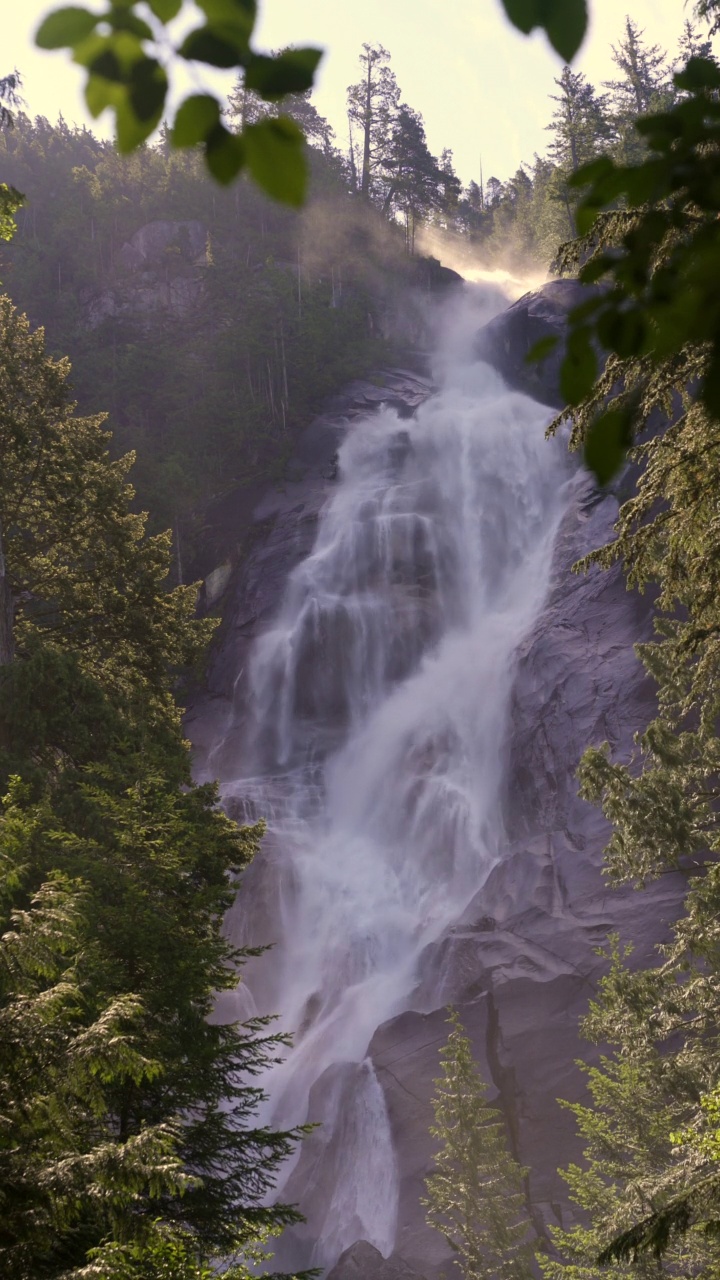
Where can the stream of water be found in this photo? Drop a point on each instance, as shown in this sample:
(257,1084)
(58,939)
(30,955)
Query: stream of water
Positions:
(374,730)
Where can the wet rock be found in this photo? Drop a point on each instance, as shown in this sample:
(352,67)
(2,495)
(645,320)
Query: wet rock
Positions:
(265,531)
(521,962)
(362,1261)
(506,340)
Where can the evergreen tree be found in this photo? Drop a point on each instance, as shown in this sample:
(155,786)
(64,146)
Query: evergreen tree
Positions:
(372,106)
(692,45)
(643,86)
(652,1186)
(135,1114)
(416,185)
(579,125)
(475,1194)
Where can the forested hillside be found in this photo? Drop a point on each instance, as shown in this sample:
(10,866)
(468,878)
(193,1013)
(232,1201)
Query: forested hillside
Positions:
(210,323)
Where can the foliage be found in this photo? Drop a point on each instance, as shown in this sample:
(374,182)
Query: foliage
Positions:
(10,199)
(475,1194)
(650,1188)
(209,353)
(129,1143)
(563,21)
(658,255)
(128,59)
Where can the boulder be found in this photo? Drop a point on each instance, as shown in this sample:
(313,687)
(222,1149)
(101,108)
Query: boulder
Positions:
(505,341)
(362,1261)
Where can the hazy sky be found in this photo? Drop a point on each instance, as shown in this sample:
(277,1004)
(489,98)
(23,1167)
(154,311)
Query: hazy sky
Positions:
(481,86)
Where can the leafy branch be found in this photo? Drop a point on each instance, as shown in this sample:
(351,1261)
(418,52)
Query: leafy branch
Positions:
(128,62)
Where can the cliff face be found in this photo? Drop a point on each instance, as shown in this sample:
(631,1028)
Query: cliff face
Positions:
(521,963)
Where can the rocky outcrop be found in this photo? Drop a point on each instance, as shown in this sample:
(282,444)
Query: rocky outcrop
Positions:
(159,270)
(157,242)
(521,963)
(506,341)
(255,535)
(362,1261)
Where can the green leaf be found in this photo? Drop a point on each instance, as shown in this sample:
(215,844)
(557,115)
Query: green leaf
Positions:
(107,66)
(276,158)
(165,10)
(224,154)
(147,90)
(240,13)
(124,20)
(196,117)
(541,349)
(579,367)
(291,71)
(131,130)
(607,443)
(524,14)
(699,74)
(623,332)
(101,93)
(207,45)
(65,27)
(566,23)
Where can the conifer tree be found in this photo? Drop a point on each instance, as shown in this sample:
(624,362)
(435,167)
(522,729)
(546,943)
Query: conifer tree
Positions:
(415,182)
(475,1194)
(372,106)
(579,125)
(643,86)
(651,1185)
(135,1114)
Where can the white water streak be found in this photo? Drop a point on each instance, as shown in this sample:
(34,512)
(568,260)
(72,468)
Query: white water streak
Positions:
(378,710)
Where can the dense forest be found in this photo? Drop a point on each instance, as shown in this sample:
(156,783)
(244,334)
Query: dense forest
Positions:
(256,312)
(210,324)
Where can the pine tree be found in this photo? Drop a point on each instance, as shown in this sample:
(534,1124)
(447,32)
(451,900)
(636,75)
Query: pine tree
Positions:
(416,184)
(135,1113)
(643,86)
(372,106)
(579,125)
(651,1188)
(475,1195)
(643,70)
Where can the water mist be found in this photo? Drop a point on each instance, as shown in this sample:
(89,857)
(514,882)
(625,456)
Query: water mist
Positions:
(374,724)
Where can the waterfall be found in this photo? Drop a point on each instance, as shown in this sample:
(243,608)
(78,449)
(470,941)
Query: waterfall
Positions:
(375,709)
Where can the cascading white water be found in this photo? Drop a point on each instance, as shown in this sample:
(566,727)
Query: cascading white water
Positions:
(377,708)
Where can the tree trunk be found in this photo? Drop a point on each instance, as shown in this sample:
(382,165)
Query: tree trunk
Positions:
(365,180)
(7,643)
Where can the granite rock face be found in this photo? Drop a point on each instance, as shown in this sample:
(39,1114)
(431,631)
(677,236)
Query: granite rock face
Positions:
(521,963)
(261,533)
(158,271)
(362,1261)
(506,340)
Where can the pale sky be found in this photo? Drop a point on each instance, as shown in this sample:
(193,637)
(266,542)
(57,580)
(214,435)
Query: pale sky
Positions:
(481,87)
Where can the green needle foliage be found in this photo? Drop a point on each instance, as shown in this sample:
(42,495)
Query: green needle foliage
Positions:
(475,1195)
(649,236)
(129,1142)
(649,1191)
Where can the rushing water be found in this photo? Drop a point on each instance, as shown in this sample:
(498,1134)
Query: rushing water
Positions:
(377,709)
